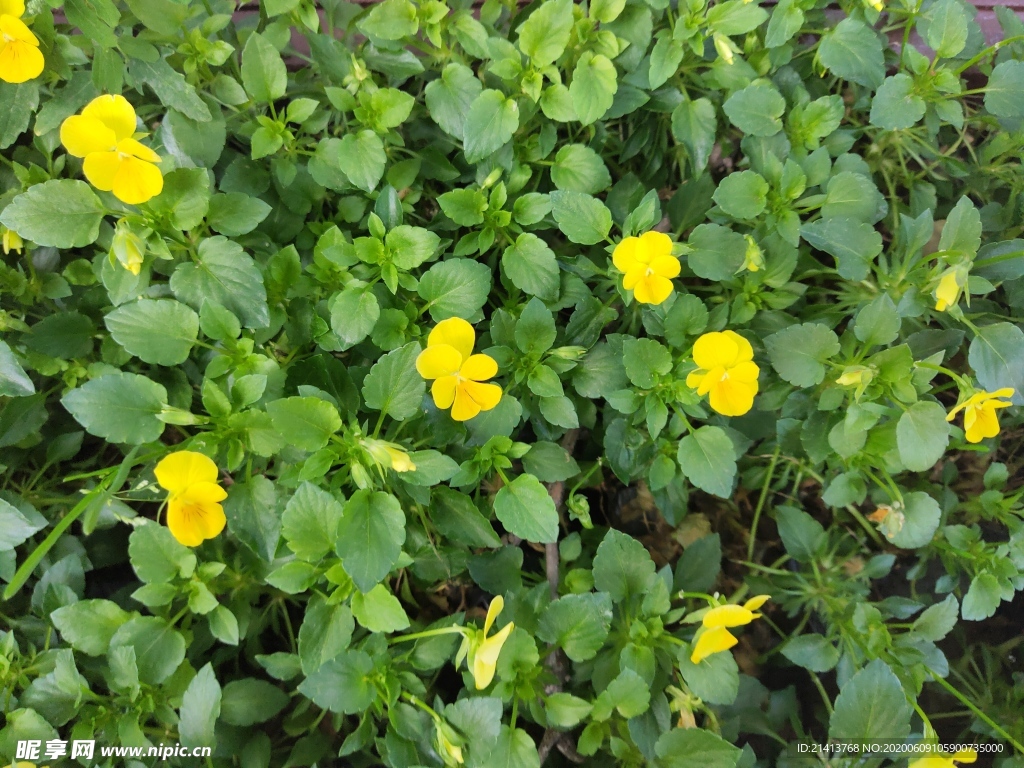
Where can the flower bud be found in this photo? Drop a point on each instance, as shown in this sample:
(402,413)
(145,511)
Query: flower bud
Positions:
(449,743)
(855,376)
(127,248)
(725,48)
(754,257)
(11,241)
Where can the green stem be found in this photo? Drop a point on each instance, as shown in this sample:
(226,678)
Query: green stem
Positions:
(760,504)
(971,706)
(427,633)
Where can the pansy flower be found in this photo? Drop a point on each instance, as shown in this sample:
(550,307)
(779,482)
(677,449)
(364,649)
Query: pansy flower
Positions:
(194,513)
(714,635)
(20,59)
(458,374)
(725,371)
(648,266)
(980,419)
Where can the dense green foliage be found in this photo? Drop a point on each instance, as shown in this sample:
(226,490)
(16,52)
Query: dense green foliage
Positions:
(338,182)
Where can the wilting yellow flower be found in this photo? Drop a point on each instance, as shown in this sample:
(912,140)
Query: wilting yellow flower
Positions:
(944,760)
(11,241)
(648,265)
(947,293)
(980,420)
(483,650)
(753,259)
(715,636)
(854,376)
(194,512)
(20,59)
(448,743)
(114,161)
(387,454)
(726,370)
(458,374)
(127,248)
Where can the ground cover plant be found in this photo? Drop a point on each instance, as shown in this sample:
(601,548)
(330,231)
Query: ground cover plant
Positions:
(620,383)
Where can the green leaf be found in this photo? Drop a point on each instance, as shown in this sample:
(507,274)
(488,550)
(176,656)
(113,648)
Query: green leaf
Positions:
(997,356)
(525,509)
(545,33)
(699,565)
(1004,93)
(813,652)
(564,711)
(947,26)
(342,684)
(921,517)
(264,74)
(391,20)
(550,462)
(645,361)
(88,625)
(250,701)
(593,86)
(531,266)
(379,611)
(742,195)
(578,168)
(854,244)
(236,213)
(73,203)
(458,519)
(370,537)
(622,566)
(185,198)
(535,331)
(18,101)
(305,422)
(159,648)
(310,522)
(170,87)
(200,708)
(896,104)
(354,313)
(119,407)
(513,749)
(362,159)
(853,52)
(157,556)
(253,515)
(938,620)
(786,19)
(158,332)
(490,123)
(695,125)
(455,288)
(718,252)
(409,246)
(628,693)
(708,460)
(695,748)
(393,385)
(853,196)
(871,706)
(757,109)
(715,679)
(803,537)
(582,218)
(464,206)
(95,18)
(162,16)
(922,435)
(962,230)
(325,632)
(224,274)
(666,56)
(16,527)
(449,97)
(878,323)
(798,353)
(735,17)
(14,382)
(578,624)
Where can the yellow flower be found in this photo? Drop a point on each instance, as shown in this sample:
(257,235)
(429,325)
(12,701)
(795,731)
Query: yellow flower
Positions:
(878,5)
(484,650)
(980,420)
(194,512)
(944,760)
(114,161)
(753,260)
(448,743)
(947,293)
(127,248)
(648,265)
(389,455)
(11,241)
(855,376)
(20,59)
(726,370)
(458,373)
(715,636)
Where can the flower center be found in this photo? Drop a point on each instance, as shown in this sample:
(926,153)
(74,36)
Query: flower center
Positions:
(648,272)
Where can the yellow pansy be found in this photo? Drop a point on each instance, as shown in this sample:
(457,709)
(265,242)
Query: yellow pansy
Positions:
(725,370)
(20,59)
(943,760)
(484,650)
(648,266)
(114,161)
(194,513)
(951,283)
(11,241)
(980,420)
(458,374)
(714,635)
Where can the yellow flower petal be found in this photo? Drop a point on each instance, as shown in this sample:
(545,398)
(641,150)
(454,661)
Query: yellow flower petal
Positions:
(115,112)
(655,244)
(732,398)
(746,372)
(666,265)
(948,291)
(493,611)
(486,396)
(715,349)
(81,136)
(101,168)
(137,181)
(746,352)
(756,602)
(465,407)
(980,421)
(485,661)
(443,391)
(14,8)
(966,756)
(652,289)
(191,522)
(20,61)
(624,257)
(438,360)
(727,616)
(15,29)
(479,368)
(695,379)
(456,333)
(137,149)
(634,275)
(712,641)
(182,469)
